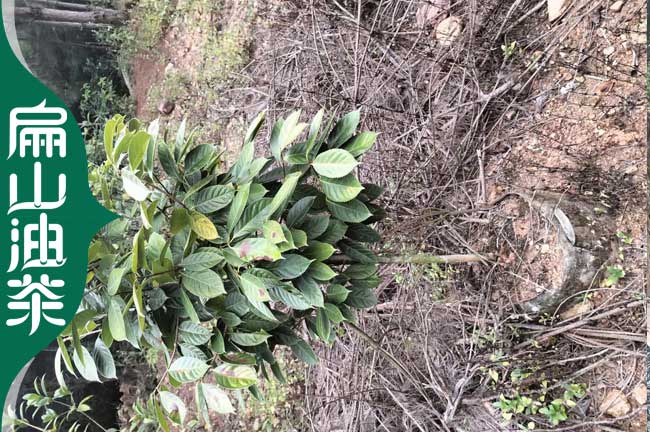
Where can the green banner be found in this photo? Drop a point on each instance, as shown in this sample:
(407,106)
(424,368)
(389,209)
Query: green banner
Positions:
(47,216)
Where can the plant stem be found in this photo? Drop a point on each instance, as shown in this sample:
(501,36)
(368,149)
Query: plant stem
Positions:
(420,258)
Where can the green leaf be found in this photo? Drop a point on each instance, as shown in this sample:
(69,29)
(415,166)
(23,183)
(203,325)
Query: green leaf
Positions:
(254,127)
(216,399)
(203,258)
(614,274)
(253,217)
(335,232)
(319,251)
(213,198)
(272,231)
(109,136)
(188,307)
(217,345)
(249,339)
(344,129)
(362,233)
(254,249)
(192,333)
(303,351)
(167,160)
(361,143)
(370,192)
(310,290)
(357,252)
(237,206)
(290,296)
(315,226)
(114,280)
(323,326)
(351,211)
(284,193)
(333,313)
(342,189)
(291,266)
(335,163)
(360,271)
(198,158)
(173,406)
(235,376)
(138,148)
(361,298)
(104,359)
(203,226)
(85,364)
(133,186)
(179,220)
(299,238)
(337,293)
(321,271)
(284,133)
(203,283)
(297,213)
(187,369)
(116,320)
(253,288)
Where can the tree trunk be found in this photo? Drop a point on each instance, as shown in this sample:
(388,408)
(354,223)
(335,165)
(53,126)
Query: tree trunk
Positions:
(87,18)
(55,4)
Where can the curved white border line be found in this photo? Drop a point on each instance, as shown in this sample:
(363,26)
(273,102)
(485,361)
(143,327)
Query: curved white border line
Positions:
(9,22)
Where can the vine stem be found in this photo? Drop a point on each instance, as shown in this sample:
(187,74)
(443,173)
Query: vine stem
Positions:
(420,258)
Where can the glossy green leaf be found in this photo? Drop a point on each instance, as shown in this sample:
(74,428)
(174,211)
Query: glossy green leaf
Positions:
(321,271)
(337,293)
(249,339)
(212,198)
(203,258)
(342,189)
(292,266)
(187,369)
(344,129)
(361,143)
(335,163)
(352,211)
(361,298)
(104,359)
(235,376)
(254,249)
(138,148)
(116,320)
(237,206)
(85,364)
(192,333)
(203,283)
(319,251)
(304,352)
(133,186)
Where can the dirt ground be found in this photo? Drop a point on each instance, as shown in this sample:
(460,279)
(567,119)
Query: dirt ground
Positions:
(513,104)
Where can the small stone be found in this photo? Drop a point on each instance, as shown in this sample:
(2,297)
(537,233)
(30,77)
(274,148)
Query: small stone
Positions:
(556,8)
(615,404)
(609,50)
(578,309)
(429,14)
(448,30)
(640,394)
(166,107)
(616,6)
